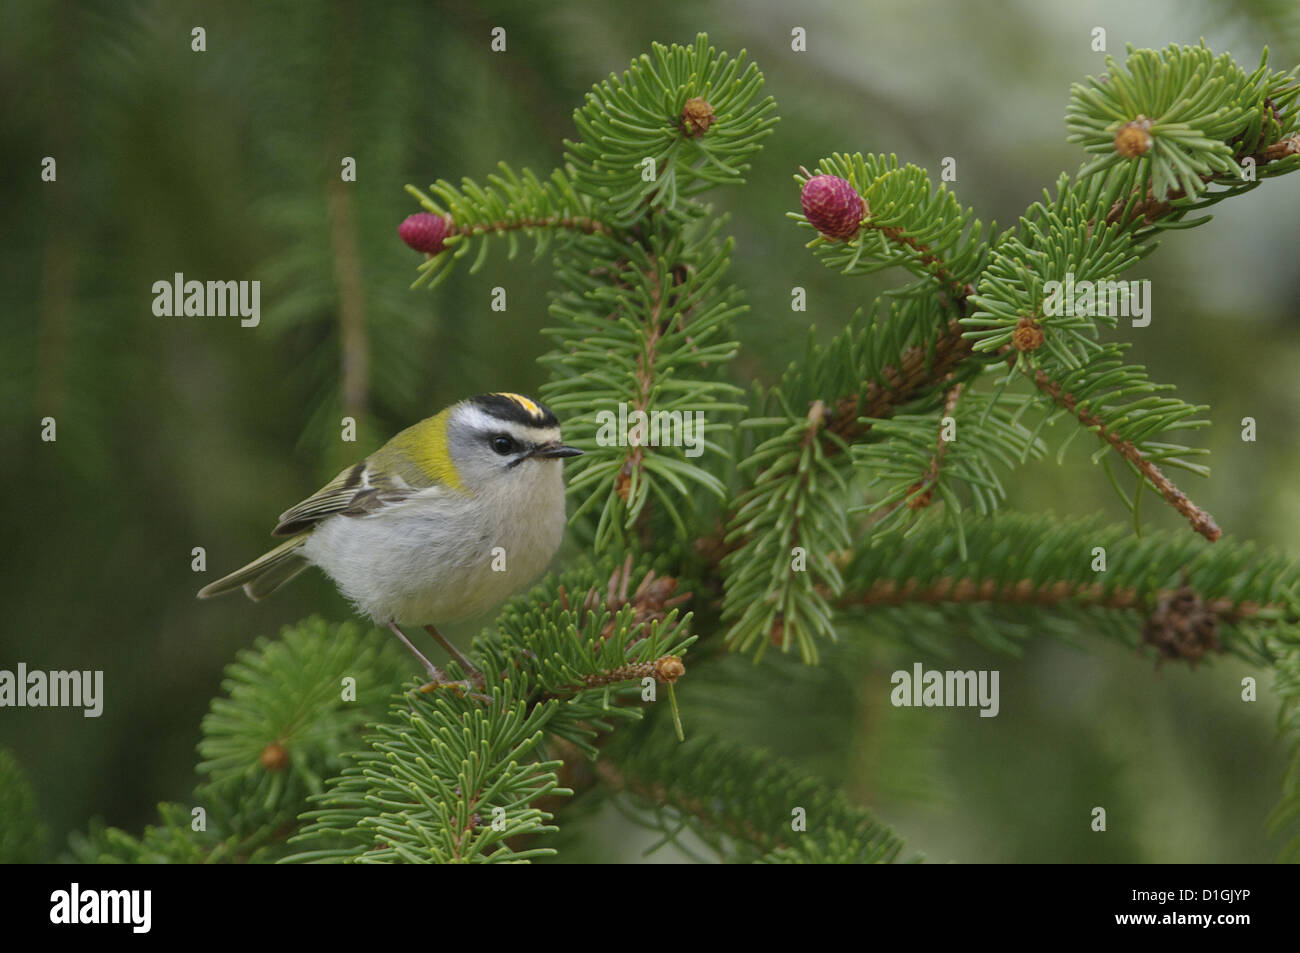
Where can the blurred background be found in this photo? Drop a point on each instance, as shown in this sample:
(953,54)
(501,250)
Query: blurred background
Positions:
(182,432)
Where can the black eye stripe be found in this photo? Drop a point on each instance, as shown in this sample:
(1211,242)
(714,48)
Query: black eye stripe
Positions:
(503,443)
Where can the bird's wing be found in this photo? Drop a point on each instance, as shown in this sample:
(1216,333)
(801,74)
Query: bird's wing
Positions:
(354,492)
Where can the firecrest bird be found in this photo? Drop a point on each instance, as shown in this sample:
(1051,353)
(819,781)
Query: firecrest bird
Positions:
(411,534)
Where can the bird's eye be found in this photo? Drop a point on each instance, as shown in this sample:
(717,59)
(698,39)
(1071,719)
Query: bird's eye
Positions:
(503,444)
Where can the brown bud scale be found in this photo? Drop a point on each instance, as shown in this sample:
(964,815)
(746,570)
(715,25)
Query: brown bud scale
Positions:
(1132,139)
(1027,336)
(697,117)
(274,757)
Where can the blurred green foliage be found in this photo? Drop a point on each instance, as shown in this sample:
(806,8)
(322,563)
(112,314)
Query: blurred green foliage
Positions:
(182,432)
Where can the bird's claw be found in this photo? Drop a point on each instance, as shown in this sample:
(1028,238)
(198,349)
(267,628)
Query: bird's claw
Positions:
(464,688)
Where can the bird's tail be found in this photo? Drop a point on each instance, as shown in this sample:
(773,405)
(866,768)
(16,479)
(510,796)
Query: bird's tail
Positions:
(265,574)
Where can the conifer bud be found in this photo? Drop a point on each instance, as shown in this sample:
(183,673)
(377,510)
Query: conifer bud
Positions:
(425,232)
(833,206)
(697,117)
(669,669)
(1132,139)
(921,496)
(776,635)
(1290,146)
(1027,336)
(274,757)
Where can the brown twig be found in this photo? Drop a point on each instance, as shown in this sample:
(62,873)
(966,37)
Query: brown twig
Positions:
(578,223)
(665,670)
(634,462)
(922,492)
(1201,521)
(655,327)
(654,597)
(923,253)
(918,369)
(887,592)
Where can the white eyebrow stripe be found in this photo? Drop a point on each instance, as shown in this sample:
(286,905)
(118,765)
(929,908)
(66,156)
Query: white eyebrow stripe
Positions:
(530,434)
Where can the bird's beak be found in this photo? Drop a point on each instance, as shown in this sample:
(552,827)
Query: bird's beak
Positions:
(554,451)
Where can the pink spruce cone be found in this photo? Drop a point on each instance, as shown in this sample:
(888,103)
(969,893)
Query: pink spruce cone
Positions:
(832,206)
(425,232)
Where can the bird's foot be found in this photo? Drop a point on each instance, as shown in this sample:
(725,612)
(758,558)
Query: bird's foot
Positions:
(464,688)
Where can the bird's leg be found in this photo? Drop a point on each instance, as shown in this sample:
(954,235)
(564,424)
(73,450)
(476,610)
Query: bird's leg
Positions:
(434,672)
(439,680)
(474,674)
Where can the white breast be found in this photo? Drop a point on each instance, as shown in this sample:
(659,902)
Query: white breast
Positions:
(443,556)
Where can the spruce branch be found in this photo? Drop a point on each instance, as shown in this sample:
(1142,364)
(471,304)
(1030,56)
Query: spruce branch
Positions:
(979,296)
(22,833)
(907,223)
(549,645)
(1265,139)
(509,204)
(888,592)
(447,779)
(920,494)
(651,601)
(1059,351)
(1055,243)
(666,669)
(794,506)
(173,840)
(1173,413)
(1286,684)
(1055,238)
(1143,212)
(439,783)
(294,706)
(642,333)
(1182,115)
(744,804)
(1034,571)
(643,321)
(909,467)
(678,122)
(570,222)
(782,518)
(920,368)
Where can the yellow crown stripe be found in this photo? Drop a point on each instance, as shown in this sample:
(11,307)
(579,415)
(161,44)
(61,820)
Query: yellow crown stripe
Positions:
(523,402)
